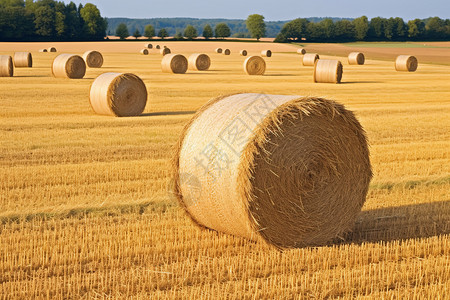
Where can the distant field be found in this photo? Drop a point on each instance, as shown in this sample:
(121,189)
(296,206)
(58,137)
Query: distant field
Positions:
(85,211)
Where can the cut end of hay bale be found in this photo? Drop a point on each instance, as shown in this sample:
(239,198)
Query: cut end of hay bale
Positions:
(144,51)
(93,59)
(254,194)
(118,94)
(218,50)
(328,71)
(174,63)
(301,51)
(243,53)
(266,53)
(226,52)
(6,66)
(51,49)
(23,60)
(255,65)
(158,47)
(43,50)
(356,58)
(406,63)
(164,51)
(149,46)
(199,62)
(69,66)
(309,59)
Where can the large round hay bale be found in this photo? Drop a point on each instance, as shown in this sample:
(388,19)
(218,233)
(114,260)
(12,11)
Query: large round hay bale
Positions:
(144,51)
(301,51)
(23,60)
(226,52)
(199,62)
(6,66)
(255,65)
(243,53)
(293,171)
(328,71)
(69,66)
(164,51)
(43,50)
(93,59)
(174,63)
(158,47)
(118,94)
(219,50)
(356,58)
(51,49)
(149,46)
(309,59)
(266,53)
(407,63)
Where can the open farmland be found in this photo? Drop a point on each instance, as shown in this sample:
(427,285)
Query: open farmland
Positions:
(86,213)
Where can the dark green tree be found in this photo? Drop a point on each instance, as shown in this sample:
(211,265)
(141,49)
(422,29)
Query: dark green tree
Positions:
(163,33)
(315,32)
(44,19)
(400,29)
(72,22)
(122,31)
(222,30)
(416,29)
(376,28)
(256,26)
(94,23)
(435,28)
(178,36)
(389,29)
(361,28)
(190,32)
(327,27)
(295,30)
(137,34)
(60,20)
(345,31)
(207,32)
(149,31)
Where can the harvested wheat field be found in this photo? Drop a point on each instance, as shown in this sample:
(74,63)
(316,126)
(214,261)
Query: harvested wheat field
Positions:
(86,209)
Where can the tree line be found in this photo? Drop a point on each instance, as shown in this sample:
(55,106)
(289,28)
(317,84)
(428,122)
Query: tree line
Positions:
(50,20)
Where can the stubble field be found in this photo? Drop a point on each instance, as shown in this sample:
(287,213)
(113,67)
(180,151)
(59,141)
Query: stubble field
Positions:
(86,213)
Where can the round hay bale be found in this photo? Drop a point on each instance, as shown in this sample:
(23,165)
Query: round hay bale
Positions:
(219,50)
(144,51)
(301,51)
(51,49)
(6,66)
(328,71)
(158,47)
(266,53)
(226,52)
(356,58)
(43,50)
(407,63)
(93,59)
(243,53)
(174,63)
(118,94)
(23,60)
(69,66)
(199,62)
(164,51)
(149,46)
(309,59)
(293,171)
(255,65)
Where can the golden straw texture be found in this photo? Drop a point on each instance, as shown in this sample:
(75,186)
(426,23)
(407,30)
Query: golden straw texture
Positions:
(43,50)
(328,71)
(255,65)
(243,53)
(174,63)
(6,66)
(406,63)
(356,58)
(219,50)
(309,59)
(118,94)
(69,66)
(144,51)
(51,49)
(199,62)
(293,171)
(149,46)
(226,52)
(23,60)
(93,59)
(301,51)
(164,51)
(266,53)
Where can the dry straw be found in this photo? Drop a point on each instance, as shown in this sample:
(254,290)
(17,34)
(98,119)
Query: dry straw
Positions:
(199,62)
(23,60)
(93,59)
(149,46)
(174,63)
(266,53)
(293,171)
(144,51)
(356,58)
(219,50)
(255,65)
(118,94)
(6,66)
(69,66)
(51,49)
(243,53)
(226,52)
(406,63)
(43,50)
(328,71)
(301,51)
(158,47)
(164,51)
(309,59)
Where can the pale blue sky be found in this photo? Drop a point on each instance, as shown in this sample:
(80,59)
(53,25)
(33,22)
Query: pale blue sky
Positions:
(273,10)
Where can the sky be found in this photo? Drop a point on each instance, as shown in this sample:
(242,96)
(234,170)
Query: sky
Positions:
(272,10)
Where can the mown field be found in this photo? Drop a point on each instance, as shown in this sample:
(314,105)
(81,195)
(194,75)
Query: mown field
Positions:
(85,211)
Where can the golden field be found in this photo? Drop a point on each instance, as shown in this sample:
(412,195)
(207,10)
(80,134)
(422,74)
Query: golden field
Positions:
(86,212)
